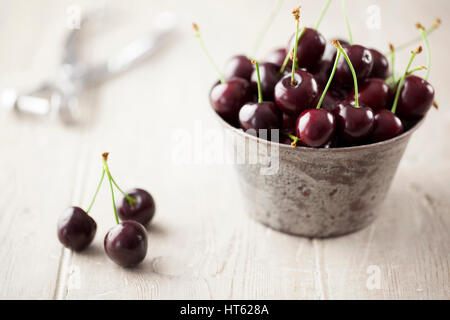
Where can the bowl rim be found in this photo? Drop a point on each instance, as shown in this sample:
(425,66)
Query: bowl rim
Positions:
(403,136)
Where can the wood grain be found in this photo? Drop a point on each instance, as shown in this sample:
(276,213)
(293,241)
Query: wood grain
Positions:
(202,245)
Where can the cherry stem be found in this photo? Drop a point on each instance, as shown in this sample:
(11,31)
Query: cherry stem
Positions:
(355,80)
(205,50)
(423,34)
(392,52)
(288,55)
(405,45)
(296,13)
(105,166)
(402,79)
(330,79)
(347,21)
(295,139)
(266,27)
(260,96)
(129,198)
(96,192)
(322,14)
(416,69)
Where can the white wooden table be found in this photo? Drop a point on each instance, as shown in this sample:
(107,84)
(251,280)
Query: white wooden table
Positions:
(202,244)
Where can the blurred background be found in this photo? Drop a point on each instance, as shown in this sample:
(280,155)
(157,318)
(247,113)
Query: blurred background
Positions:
(47,165)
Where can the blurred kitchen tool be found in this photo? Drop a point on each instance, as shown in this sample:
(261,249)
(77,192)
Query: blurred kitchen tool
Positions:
(61,94)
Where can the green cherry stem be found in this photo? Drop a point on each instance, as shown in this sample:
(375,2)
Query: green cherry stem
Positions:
(322,14)
(406,44)
(296,13)
(392,53)
(330,79)
(205,50)
(260,96)
(130,199)
(347,21)
(295,139)
(416,69)
(402,79)
(288,55)
(266,27)
(355,80)
(96,192)
(423,34)
(105,158)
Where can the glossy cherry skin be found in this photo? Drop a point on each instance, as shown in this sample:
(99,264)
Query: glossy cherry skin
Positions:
(416,98)
(380,68)
(353,124)
(277,57)
(374,93)
(331,100)
(238,66)
(270,75)
(293,99)
(126,243)
(141,211)
(288,122)
(228,98)
(310,49)
(76,229)
(386,125)
(261,115)
(315,127)
(362,61)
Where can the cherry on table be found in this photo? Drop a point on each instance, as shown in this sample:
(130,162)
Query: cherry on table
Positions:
(293,98)
(126,243)
(362,61)
(141,209)
(374,93)
(386,125)
(238,66)
(228,98)
(76,229)
(416,98)
(315,127)
(380,68)
(270,75)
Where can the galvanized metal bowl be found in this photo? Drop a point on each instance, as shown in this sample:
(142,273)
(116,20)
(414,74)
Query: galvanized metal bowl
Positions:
(317,192)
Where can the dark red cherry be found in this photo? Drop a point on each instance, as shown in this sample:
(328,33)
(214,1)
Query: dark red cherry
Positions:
(374,93)
(331,100)
(288,122)
(126,243)
(260,115)
(76,229)
(294,98)
(310,49)
(416,98)
(228,98)
(277,57)
(315,127)
(362,61)
(238,66)
(270,75)
(386,125)
(322,72)
(353,124)
(142,210)
(380,68)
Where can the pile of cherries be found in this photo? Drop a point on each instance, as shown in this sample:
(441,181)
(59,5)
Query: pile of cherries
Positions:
(320,93)
(125,243)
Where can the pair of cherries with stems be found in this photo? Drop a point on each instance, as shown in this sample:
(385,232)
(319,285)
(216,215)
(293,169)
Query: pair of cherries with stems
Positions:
(125,243)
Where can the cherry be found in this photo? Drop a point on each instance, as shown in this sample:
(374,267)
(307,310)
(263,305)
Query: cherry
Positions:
(310,48)
(277,57)
(380,68)
(315,127)
(238,66)
(228,98)
(141,209)
(331,100)
(288,122)
(126,243)
(260,115)
(354,121)
(374,93)
(386,125)
(362,61)
(76,229)
(416,98)
(270,75)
